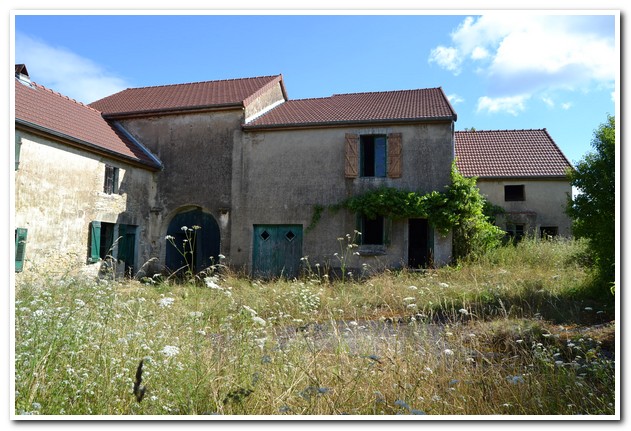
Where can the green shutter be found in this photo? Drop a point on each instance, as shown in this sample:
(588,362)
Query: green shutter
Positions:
(387,230)
(95,241)
(20,248)
(122,243)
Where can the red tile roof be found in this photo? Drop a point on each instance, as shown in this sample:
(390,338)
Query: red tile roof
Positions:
(509,153)
(45,110)
(185,97)
(388,106)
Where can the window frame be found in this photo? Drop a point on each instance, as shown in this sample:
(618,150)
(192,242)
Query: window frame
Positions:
(373,155)
(110,182)
(514,193)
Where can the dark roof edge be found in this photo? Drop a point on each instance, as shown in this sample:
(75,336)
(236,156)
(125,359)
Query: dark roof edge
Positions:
(172,111)
(325,124)
(144,149)
(79,143)
(516,177)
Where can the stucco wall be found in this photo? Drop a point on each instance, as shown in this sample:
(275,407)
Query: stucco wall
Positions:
(545,198)
(281,175)
(59,191)
(196,151)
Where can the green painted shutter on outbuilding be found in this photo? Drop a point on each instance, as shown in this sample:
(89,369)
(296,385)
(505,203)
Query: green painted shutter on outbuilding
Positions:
(20,248)
(95,241)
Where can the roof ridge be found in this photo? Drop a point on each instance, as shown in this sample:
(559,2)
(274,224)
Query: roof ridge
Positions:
(501,130)
(181,84)
(63,96)
(386,91)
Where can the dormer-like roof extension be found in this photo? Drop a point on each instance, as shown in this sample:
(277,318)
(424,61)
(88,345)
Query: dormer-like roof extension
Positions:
(51,114)
(509,154)
(178,98)
(359,108)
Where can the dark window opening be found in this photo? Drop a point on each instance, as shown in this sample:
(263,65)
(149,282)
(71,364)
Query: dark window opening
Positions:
(373,154)
(515,231)
(514,193)
(547,232)
(110,186)
(107,240)
(372,230)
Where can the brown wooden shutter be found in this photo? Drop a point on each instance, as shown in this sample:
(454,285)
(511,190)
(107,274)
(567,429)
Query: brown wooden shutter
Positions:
(394,155)
(351,165)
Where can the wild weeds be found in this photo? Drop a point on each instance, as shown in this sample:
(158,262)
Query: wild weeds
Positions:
(472,340)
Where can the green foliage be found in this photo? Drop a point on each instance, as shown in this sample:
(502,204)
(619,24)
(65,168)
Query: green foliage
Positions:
(460,208)
(593,210)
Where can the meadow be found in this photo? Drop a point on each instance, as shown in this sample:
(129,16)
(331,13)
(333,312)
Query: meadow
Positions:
(514,332)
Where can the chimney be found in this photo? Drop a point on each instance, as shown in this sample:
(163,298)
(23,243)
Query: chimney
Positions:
(21,73)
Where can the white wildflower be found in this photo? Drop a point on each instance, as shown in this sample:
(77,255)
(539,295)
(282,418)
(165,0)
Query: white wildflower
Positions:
(170,351)
(166,302)
(252,311)
(412,288)
(412,306)
(464,311)
(448,352)
(443,284)
(258,320)
(408,299)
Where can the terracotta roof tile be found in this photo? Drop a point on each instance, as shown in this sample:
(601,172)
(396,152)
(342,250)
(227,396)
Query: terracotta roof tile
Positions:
(196,95)
(406,105)
(36,106)
(509,153)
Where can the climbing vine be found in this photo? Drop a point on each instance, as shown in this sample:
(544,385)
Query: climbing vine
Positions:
(460,208)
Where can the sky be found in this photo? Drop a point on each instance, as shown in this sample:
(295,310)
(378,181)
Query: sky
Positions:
(500,70)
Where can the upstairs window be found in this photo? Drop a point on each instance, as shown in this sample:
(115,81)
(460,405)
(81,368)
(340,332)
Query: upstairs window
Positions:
(110,186)
(376,155)
(514,193)
(373,155)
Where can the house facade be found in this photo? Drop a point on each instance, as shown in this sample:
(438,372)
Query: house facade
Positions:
(83,189)
(126,180)
(522,171)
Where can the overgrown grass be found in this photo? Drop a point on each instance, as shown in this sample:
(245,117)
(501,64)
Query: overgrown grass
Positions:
(506,334)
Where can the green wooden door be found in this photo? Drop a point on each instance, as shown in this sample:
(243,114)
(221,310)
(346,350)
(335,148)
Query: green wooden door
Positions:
(277,250)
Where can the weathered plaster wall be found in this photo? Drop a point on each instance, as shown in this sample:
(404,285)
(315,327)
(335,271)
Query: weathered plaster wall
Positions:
(546,198)
(59,191)
(196,151)
(281,175)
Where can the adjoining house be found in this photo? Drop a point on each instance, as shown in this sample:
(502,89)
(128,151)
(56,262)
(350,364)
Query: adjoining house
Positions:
(522,171)
(83,186)
(237,160)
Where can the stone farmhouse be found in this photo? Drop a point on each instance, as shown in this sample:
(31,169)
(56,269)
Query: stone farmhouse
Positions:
(108,183)
(522,171)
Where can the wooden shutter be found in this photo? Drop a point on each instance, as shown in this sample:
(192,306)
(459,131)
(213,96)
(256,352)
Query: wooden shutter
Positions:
(394,155)
(95,241)
(351,165)
(20,248)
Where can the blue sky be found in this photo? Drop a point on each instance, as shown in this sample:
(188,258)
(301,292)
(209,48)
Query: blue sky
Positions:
(501,70)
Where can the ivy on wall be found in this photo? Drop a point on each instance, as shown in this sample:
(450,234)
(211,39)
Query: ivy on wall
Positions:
(460,209)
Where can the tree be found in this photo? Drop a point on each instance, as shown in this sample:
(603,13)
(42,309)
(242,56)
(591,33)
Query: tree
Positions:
(593,209)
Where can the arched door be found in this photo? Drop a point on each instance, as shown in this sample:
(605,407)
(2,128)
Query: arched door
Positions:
(203,248)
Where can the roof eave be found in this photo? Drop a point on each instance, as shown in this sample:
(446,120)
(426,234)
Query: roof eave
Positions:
(79,143)
(345,123)
(172,111)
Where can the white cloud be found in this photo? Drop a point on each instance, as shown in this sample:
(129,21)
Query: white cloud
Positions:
(454,99)
(512,105)
(548,101)
(565,106)
(447,58)
(64,71)
(522,53)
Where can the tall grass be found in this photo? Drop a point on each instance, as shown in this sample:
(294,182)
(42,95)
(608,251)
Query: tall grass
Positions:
(500,335)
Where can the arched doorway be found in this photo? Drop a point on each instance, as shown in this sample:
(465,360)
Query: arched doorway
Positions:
(205,241)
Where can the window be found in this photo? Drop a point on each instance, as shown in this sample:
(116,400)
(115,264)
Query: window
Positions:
(374,231)
(20,248)
(376,155)
(515,231)
(372,155)
(546,232)
(514,193)
(110,185)
(107,239)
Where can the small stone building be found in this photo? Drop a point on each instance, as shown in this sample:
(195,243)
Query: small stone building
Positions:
(522,171)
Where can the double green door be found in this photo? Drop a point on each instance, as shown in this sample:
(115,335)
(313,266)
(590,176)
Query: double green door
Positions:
(277,250)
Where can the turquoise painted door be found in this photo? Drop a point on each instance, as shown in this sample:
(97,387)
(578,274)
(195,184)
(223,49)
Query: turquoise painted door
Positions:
(277,250)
